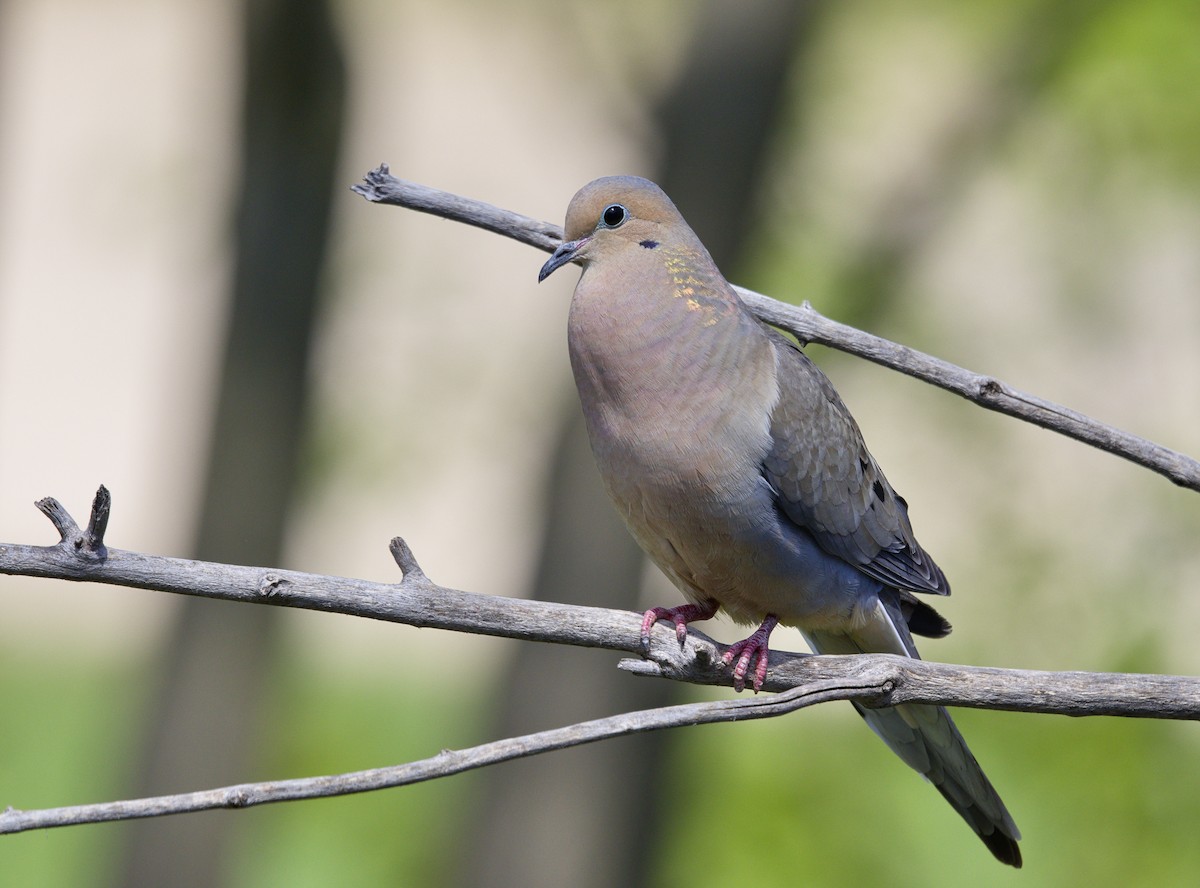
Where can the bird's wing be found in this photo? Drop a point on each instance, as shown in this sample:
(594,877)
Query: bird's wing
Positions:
(828,483)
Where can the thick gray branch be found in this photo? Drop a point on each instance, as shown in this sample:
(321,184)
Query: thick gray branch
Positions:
(808,325)
(418,601)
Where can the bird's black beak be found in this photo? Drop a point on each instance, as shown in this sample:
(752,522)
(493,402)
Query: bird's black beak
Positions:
(565,253)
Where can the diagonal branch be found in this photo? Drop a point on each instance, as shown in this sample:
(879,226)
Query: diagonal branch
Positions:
(444,764)
(808,325)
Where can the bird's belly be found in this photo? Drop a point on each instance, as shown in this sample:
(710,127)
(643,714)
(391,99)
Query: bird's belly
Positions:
(730,543)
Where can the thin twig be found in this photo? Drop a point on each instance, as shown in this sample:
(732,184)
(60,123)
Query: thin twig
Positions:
(444,764)
(93,538)
(808,325)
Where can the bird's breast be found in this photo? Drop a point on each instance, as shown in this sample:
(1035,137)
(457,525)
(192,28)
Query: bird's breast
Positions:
(672,392)
(677,399)
(679,417)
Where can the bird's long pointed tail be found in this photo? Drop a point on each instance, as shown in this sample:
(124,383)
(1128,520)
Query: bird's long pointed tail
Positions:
(927,739)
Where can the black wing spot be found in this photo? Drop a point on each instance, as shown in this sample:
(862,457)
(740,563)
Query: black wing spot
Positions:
(649,244)
(880,492)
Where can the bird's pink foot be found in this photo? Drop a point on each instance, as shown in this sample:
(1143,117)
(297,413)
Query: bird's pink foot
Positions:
(748,649)
(680,616)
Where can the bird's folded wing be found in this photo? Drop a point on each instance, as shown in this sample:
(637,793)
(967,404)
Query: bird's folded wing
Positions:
(828,483)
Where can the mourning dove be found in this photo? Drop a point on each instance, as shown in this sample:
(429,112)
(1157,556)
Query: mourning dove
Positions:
(742,474)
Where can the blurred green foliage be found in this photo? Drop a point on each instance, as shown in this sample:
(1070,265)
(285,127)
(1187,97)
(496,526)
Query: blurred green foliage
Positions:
(1128,90)
(65,737)
(813,798)
(1099,802)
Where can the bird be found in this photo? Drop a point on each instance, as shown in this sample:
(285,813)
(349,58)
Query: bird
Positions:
(741,473)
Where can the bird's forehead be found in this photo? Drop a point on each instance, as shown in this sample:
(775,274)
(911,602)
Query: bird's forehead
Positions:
(641,197)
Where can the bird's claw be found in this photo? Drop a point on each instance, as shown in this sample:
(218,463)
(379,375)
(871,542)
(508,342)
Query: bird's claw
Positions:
(749,649)
(655,614)
(745,651)
(680,616)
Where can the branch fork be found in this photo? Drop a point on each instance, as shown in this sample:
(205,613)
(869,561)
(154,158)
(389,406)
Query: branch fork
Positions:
(88,544)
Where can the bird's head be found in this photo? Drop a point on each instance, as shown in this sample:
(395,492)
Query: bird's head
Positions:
(613,214)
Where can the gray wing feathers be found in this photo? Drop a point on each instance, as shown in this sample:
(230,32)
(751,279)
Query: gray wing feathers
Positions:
(829,484)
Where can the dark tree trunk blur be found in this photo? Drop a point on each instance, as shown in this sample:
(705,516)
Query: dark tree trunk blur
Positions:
(203,725)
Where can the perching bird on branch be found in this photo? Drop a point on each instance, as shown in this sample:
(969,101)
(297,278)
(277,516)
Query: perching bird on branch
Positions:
(742,474)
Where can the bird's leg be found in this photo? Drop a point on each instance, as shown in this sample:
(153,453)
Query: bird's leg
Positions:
(680,616)
(748,649)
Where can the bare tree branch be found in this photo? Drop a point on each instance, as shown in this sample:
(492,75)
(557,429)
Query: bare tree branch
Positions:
(444,764)
(418,601)
(802,680)
(871,679)
(808,325)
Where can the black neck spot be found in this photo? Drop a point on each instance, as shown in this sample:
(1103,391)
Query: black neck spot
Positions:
(649,244)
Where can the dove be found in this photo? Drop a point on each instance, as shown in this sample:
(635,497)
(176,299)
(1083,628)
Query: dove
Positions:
(739,470)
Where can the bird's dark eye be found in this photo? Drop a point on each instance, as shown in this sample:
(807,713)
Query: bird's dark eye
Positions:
(613,215)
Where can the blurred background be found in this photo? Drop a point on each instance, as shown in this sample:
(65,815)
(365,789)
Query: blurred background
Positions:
(265,369)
